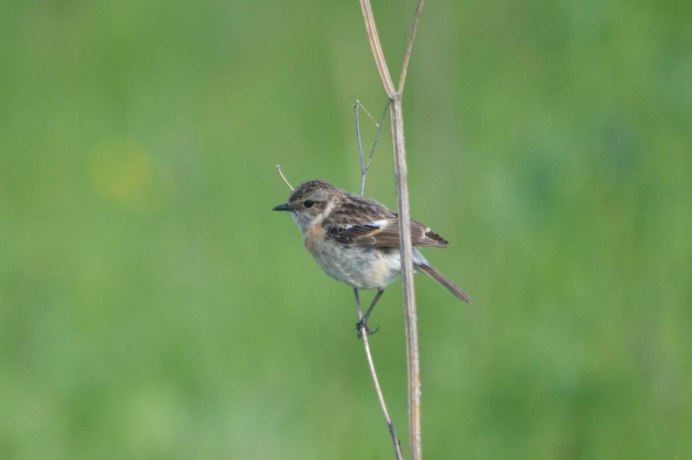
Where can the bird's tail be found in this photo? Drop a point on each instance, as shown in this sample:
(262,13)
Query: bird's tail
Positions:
(443,280)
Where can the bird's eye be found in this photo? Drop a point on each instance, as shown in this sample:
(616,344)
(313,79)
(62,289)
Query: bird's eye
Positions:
(308,203)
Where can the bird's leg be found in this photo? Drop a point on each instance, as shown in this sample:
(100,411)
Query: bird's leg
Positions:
(362,325)
(372,305)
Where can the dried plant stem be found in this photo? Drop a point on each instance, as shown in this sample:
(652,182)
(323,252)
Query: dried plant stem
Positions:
(366,342)
(397,123)
(412,355)
(364,167)
(376,46)
(409,45)
(278,168)
(376,381)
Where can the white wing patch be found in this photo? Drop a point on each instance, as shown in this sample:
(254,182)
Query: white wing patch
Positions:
(382,223)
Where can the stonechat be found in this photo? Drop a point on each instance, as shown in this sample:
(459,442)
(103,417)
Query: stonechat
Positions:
(356,240)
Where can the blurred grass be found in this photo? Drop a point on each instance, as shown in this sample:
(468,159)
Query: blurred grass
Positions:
(151,306)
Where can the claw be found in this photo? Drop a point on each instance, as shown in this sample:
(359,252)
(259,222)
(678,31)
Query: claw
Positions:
(362,326)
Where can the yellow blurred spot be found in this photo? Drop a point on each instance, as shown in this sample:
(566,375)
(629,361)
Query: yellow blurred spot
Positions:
(126,173)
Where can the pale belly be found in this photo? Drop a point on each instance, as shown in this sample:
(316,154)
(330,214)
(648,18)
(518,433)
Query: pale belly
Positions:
(360,267)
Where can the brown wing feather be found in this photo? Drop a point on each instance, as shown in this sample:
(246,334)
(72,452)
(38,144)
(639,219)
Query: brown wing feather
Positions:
(358,221)
(385,235)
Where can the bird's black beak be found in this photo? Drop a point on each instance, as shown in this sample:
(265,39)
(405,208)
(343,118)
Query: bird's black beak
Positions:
(282,207)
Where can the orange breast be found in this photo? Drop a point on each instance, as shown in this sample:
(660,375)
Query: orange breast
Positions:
(313,237)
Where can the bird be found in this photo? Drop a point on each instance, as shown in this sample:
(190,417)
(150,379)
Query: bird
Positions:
(356,240)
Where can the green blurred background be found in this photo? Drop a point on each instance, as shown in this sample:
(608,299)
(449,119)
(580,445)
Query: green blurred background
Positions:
(152,306)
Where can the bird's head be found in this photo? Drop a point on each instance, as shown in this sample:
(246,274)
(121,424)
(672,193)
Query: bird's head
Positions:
(310,202)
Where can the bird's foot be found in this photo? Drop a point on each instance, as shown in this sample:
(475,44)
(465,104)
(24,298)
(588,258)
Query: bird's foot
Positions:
(363,329)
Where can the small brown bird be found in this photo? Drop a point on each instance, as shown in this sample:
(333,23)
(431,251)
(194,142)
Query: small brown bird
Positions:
(356,240)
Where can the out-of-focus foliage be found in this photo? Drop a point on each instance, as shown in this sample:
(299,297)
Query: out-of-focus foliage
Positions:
(152,306)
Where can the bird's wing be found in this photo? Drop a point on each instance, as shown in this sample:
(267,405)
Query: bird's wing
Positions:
(383,233)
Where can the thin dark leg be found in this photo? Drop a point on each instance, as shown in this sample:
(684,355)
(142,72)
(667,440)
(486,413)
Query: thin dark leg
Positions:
(372,305)
(362,325)
(355,294)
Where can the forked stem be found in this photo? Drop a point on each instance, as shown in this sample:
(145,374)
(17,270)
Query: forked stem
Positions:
(397,123)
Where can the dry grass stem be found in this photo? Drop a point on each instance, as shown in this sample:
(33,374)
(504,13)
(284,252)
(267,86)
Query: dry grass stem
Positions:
(409,45)
(376,381)
(278,168)
(365,166)
(397,124)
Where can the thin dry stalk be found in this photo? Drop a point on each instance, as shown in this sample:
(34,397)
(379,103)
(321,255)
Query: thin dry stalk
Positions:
(278,168)
(409,45)
(364,167)
(376,46)
(397,123)
(376,381)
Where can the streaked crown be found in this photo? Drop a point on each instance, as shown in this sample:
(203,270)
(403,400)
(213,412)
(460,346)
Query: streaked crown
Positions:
(316,190)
